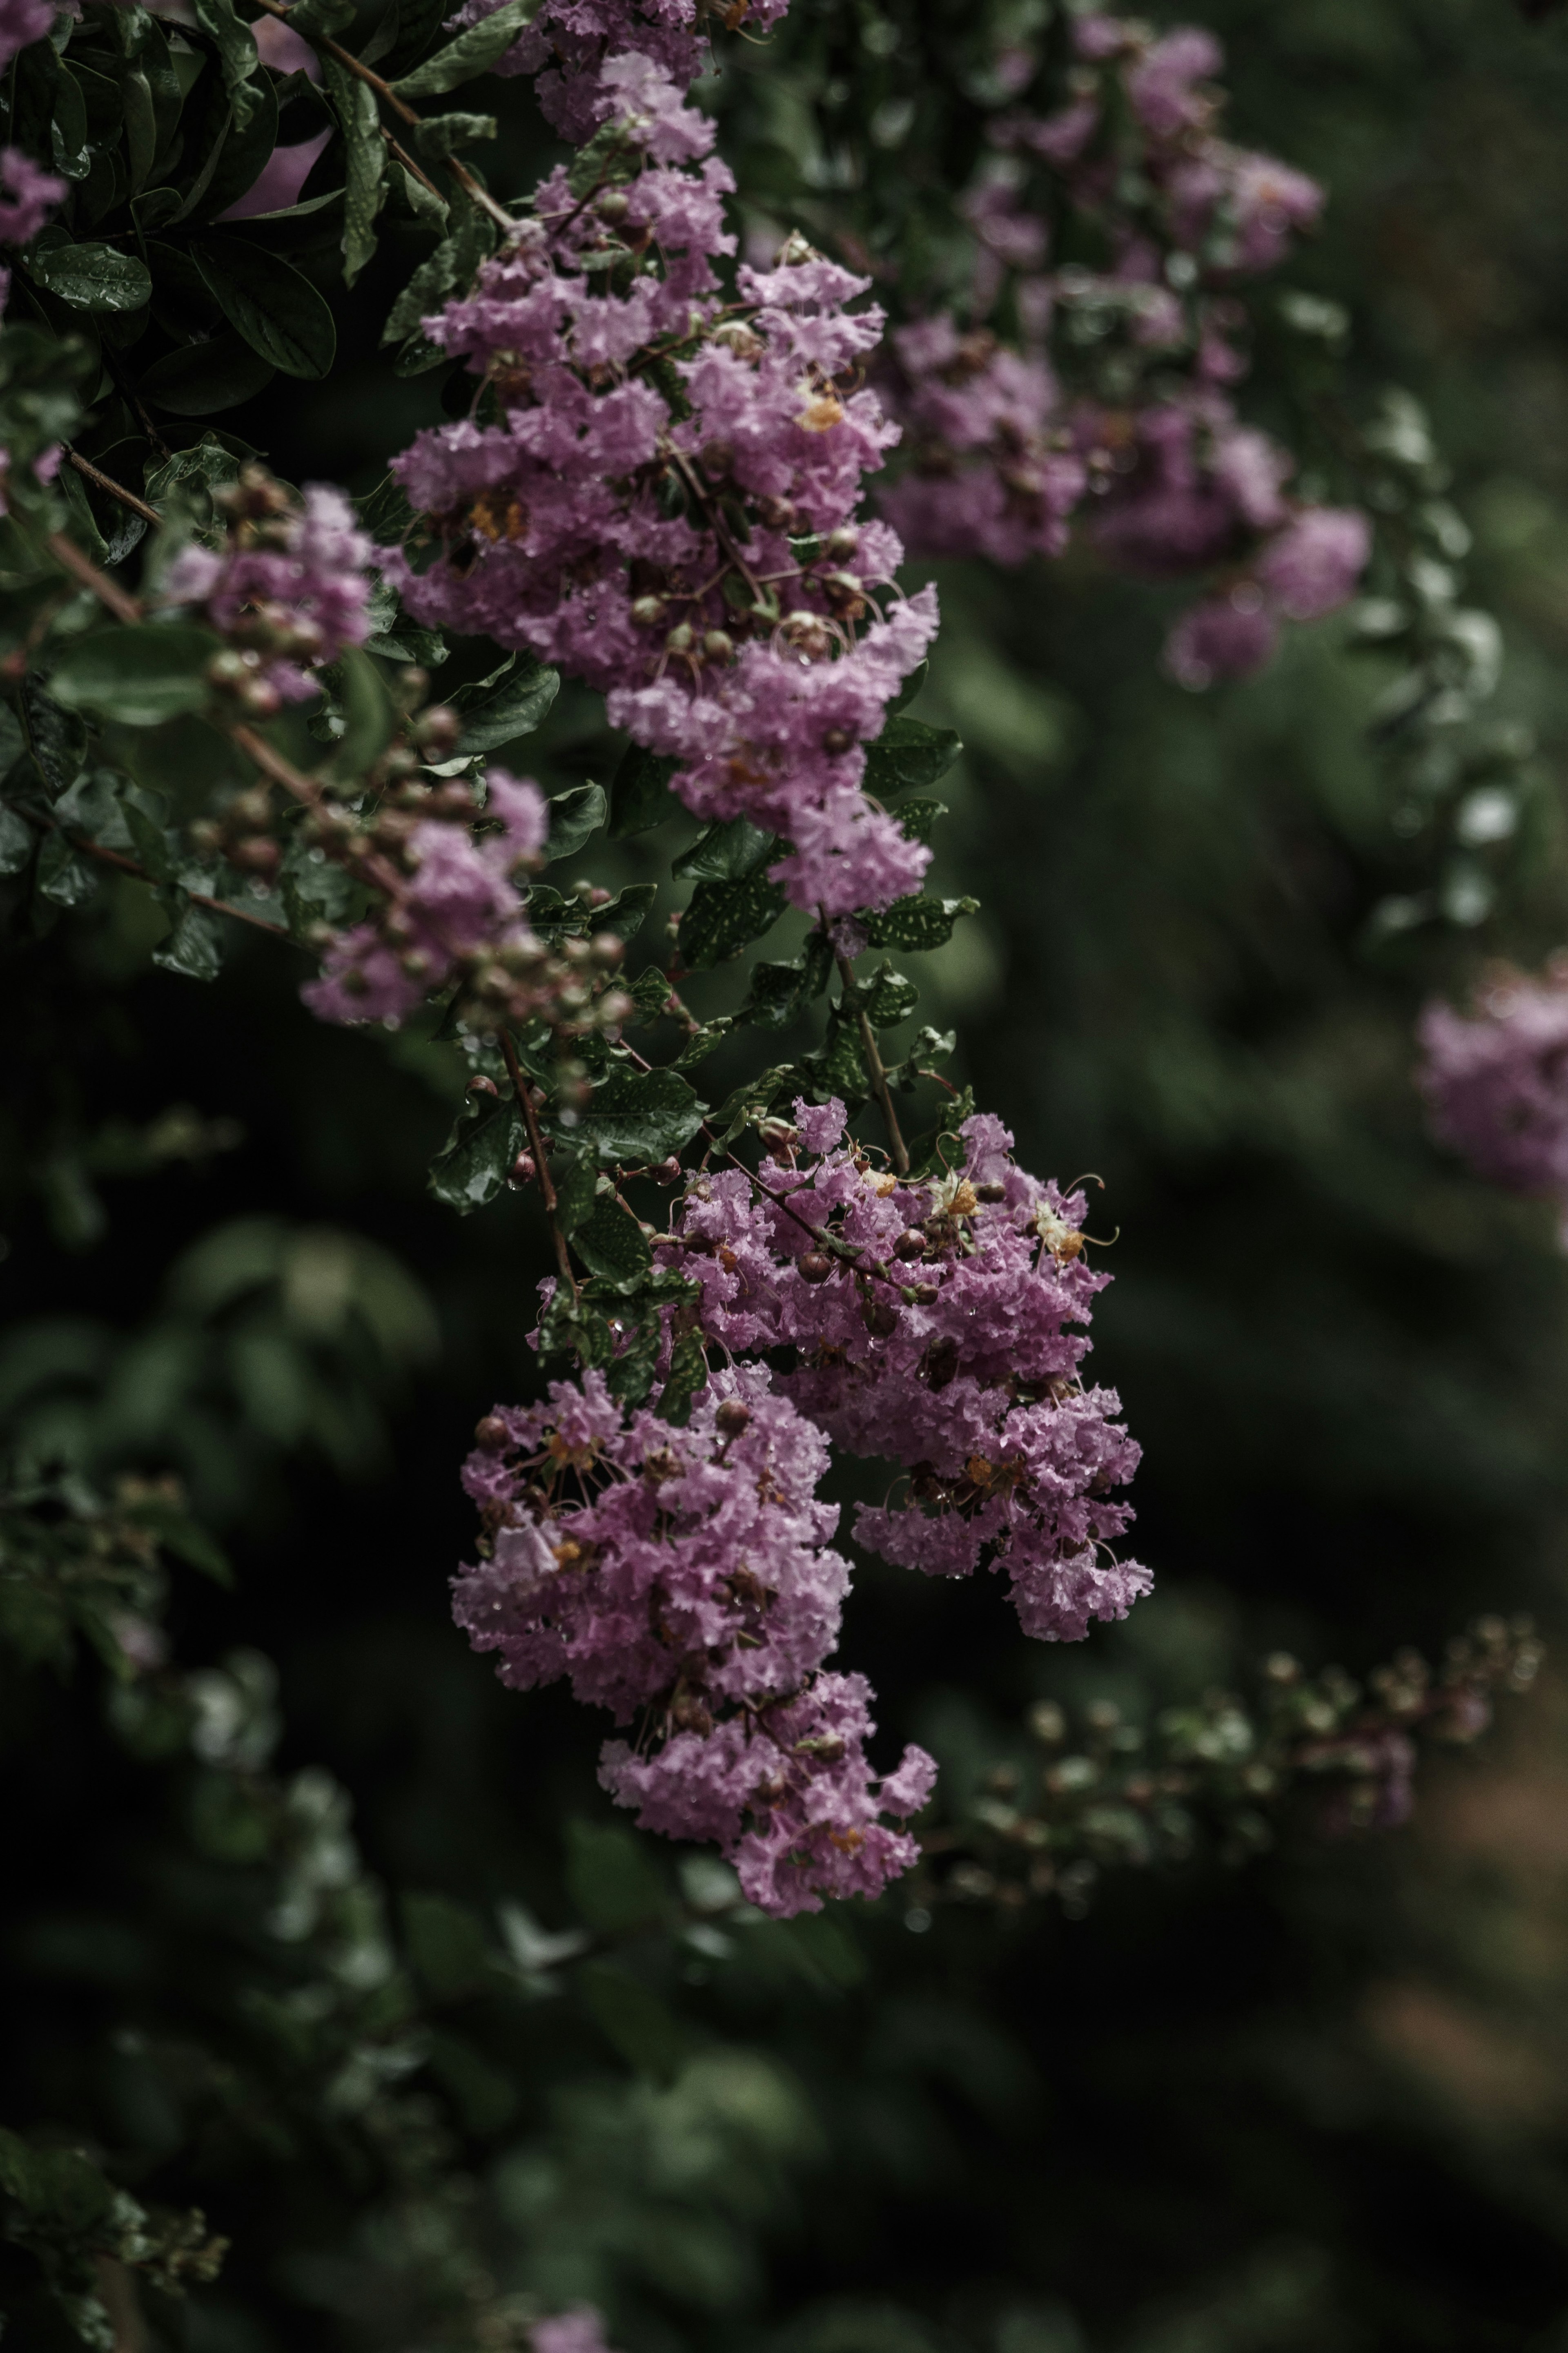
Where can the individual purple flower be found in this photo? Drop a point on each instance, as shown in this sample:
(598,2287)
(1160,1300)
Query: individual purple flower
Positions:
(579,2330)
(1497,1082)
(26,194)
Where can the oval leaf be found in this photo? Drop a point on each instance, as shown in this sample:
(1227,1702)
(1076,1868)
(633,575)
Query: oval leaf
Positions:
(138,673)
(471,53)
(277,311)
(92,277)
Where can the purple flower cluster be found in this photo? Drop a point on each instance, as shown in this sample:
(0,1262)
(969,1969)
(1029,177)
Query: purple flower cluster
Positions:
(293,584)
(449,902)
(26,194)
(684,1576)
(22,22)
(579,2330)
(1001,456)
(693,555)
(569,41)
(1497,1082)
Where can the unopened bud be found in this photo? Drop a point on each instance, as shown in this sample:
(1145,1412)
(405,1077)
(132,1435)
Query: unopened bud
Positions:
(840,545)
(838,740)
(257,856)
(492,1433)
(437,729)
(814,1267)
(648,612)
(880,1318)
(613,205)
(524,1169)
(679,639)
(910,1244)
(606,947)
(718,644)
(483,1086)
(732,1418)
(991,1192)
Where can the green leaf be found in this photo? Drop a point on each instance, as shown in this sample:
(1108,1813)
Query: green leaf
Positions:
(611,1881)
(640,1116)
(473,1165)
(179,1533)
(908,752)
(237,59)
(63,876)
(631,1377)
(447,1943)
(626,912)
(149,839)
(613,1245)
(17,839)
(364,185)
(610,154)
(194,946)
(277,311)
(917,923)
(92,277)
(888,997)
(725,853)
(686,1380)
(370,718)
(911,688)
(514,710)
(202,379)
(632,2017)
(470,239)
(640,796)
(470,54)
(574,819)
(440,136)
(838,1067)
(139,673)
(724,916)
(55,738)
(781,991)
(917,818)
(320,19)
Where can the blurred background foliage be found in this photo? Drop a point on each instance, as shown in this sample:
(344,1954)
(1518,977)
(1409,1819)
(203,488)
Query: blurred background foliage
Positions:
(302,1945)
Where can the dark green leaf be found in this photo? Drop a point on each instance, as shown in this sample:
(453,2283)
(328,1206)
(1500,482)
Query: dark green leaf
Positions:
(515,708)
(725,853)
(838,1067)
(138,673)
(237,55)
(626,912)
(609,1878)
(632,2017)
(447,1943)
(613,1246)
(151,839)
(364,183)
(640,1116)
(320,19)
(441,136)
(574,818)
(686,1380)
(63,876)
(203,379)
(470,239)
(92,277)
(367,710)
(17,839)
(611,154)
(724,916)
(908,752)
(55,738)
(888,997)
(911,688)
(631,1377)
(781,991)
(917,923)
(473,1166)
(917,818)
(277,311)
(472,53)
(194,946)
(640,796)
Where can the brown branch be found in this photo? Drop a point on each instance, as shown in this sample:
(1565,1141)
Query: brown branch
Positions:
(879,1086)
(547,1192)
(409,165)
(129,866)
(401,108)
(114,490)
(70,558)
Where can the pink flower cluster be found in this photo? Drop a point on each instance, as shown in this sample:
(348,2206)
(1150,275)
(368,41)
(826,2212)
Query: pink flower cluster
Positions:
(567,44)
(1497,1082)
(26,194)
(580,2330)
(954,1359)
(685,1575)
(293,580)
(1003,455)
(664,503)
(449,899)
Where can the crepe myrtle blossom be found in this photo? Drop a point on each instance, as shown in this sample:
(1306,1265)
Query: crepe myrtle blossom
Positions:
(685,1577)
(447,877)
(932,1323)
(566,46)
(579,2330)
(1495,1080)
(697,560)
(28,195)
(22,22)
(291,588)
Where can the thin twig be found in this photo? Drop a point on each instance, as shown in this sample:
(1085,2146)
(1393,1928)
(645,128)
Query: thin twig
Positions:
(409,165)
(400,107)
(879,1086)
(547,1192)
(107,483)
(129,866)
(70,558)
